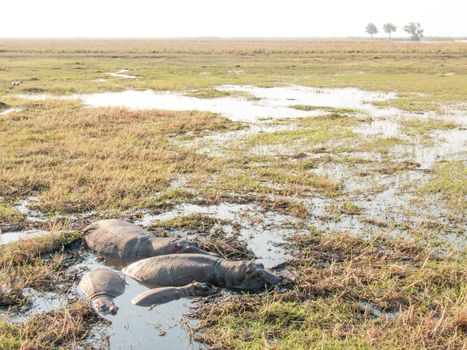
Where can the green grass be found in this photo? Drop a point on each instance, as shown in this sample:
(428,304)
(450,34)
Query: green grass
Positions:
(378,144)
(31,264)
(415,127)
(351,208)
(449,181)
(214,93)
(333,110)
(120,163)
(77,159)
(421,297)
(10,217)
(192,222)
(64,328)
(308,133)
(404,68)
(412,103)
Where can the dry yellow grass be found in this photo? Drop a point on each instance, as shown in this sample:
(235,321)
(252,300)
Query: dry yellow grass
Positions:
(107,159)
(235,46)
(64,328)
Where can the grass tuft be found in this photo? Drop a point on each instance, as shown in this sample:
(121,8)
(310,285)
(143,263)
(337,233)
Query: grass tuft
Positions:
(64,328)
(449,180)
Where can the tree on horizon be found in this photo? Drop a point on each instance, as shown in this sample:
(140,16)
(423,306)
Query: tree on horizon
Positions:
(415,30)
(389,28)
(371,29)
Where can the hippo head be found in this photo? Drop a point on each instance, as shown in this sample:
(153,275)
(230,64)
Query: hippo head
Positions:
(104,304)
(253,276)
(201,289)
(184,246)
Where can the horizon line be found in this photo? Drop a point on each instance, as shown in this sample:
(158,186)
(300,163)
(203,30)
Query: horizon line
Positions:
(454,37)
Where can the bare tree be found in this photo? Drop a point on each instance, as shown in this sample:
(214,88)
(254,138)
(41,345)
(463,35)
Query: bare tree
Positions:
(371,29)
(415,30)
(389,28)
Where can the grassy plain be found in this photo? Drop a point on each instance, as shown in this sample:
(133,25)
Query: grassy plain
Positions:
(401,287)
(436,70)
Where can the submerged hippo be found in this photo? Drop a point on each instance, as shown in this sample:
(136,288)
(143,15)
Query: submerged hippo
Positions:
(157,296)
(126,242)
(101,287)
(178,270)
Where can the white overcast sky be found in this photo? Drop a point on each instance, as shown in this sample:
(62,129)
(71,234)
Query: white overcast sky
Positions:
(217,18)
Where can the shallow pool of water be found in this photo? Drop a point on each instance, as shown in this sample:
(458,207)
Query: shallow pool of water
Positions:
(275,102)
(121,74)
(10,110)
(14,236)
(136,327)
(264,235)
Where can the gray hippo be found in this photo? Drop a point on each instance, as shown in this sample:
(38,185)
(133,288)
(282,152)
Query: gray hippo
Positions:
(101,287)
(157,296)
(179,270)
(126,242)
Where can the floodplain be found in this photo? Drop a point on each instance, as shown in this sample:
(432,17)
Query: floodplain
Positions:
(340,165)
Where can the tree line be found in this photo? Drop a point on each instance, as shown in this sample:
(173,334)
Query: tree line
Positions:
(414,29)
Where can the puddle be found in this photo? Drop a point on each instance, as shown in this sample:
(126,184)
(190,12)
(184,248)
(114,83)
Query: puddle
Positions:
(30,215)
(165,326)
(14,236)
(40,302)
(449,145)
(136,327)
(273,102)
(263,232)
(380,127)
(121,74)
(10,110)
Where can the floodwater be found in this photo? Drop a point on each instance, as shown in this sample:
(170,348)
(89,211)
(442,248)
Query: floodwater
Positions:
(14,236)
(136,327)
(275,102)
(10,110)
(121,74)
(382,197)
(264,241)
(165,326)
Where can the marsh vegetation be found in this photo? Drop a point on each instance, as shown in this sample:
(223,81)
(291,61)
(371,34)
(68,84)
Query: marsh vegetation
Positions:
(361,208)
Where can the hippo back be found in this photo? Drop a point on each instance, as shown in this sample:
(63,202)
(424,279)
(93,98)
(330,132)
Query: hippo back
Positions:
(173,270)
(102,282)
(118,239)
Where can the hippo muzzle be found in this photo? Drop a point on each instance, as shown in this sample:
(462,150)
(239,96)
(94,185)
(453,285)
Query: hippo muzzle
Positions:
(104,304)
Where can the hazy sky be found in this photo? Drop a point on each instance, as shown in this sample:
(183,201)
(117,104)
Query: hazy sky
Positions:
(237,18)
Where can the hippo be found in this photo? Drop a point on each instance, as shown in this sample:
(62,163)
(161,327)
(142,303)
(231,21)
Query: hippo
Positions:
(126,242)
(179,270)
(157,296)
(101,286)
